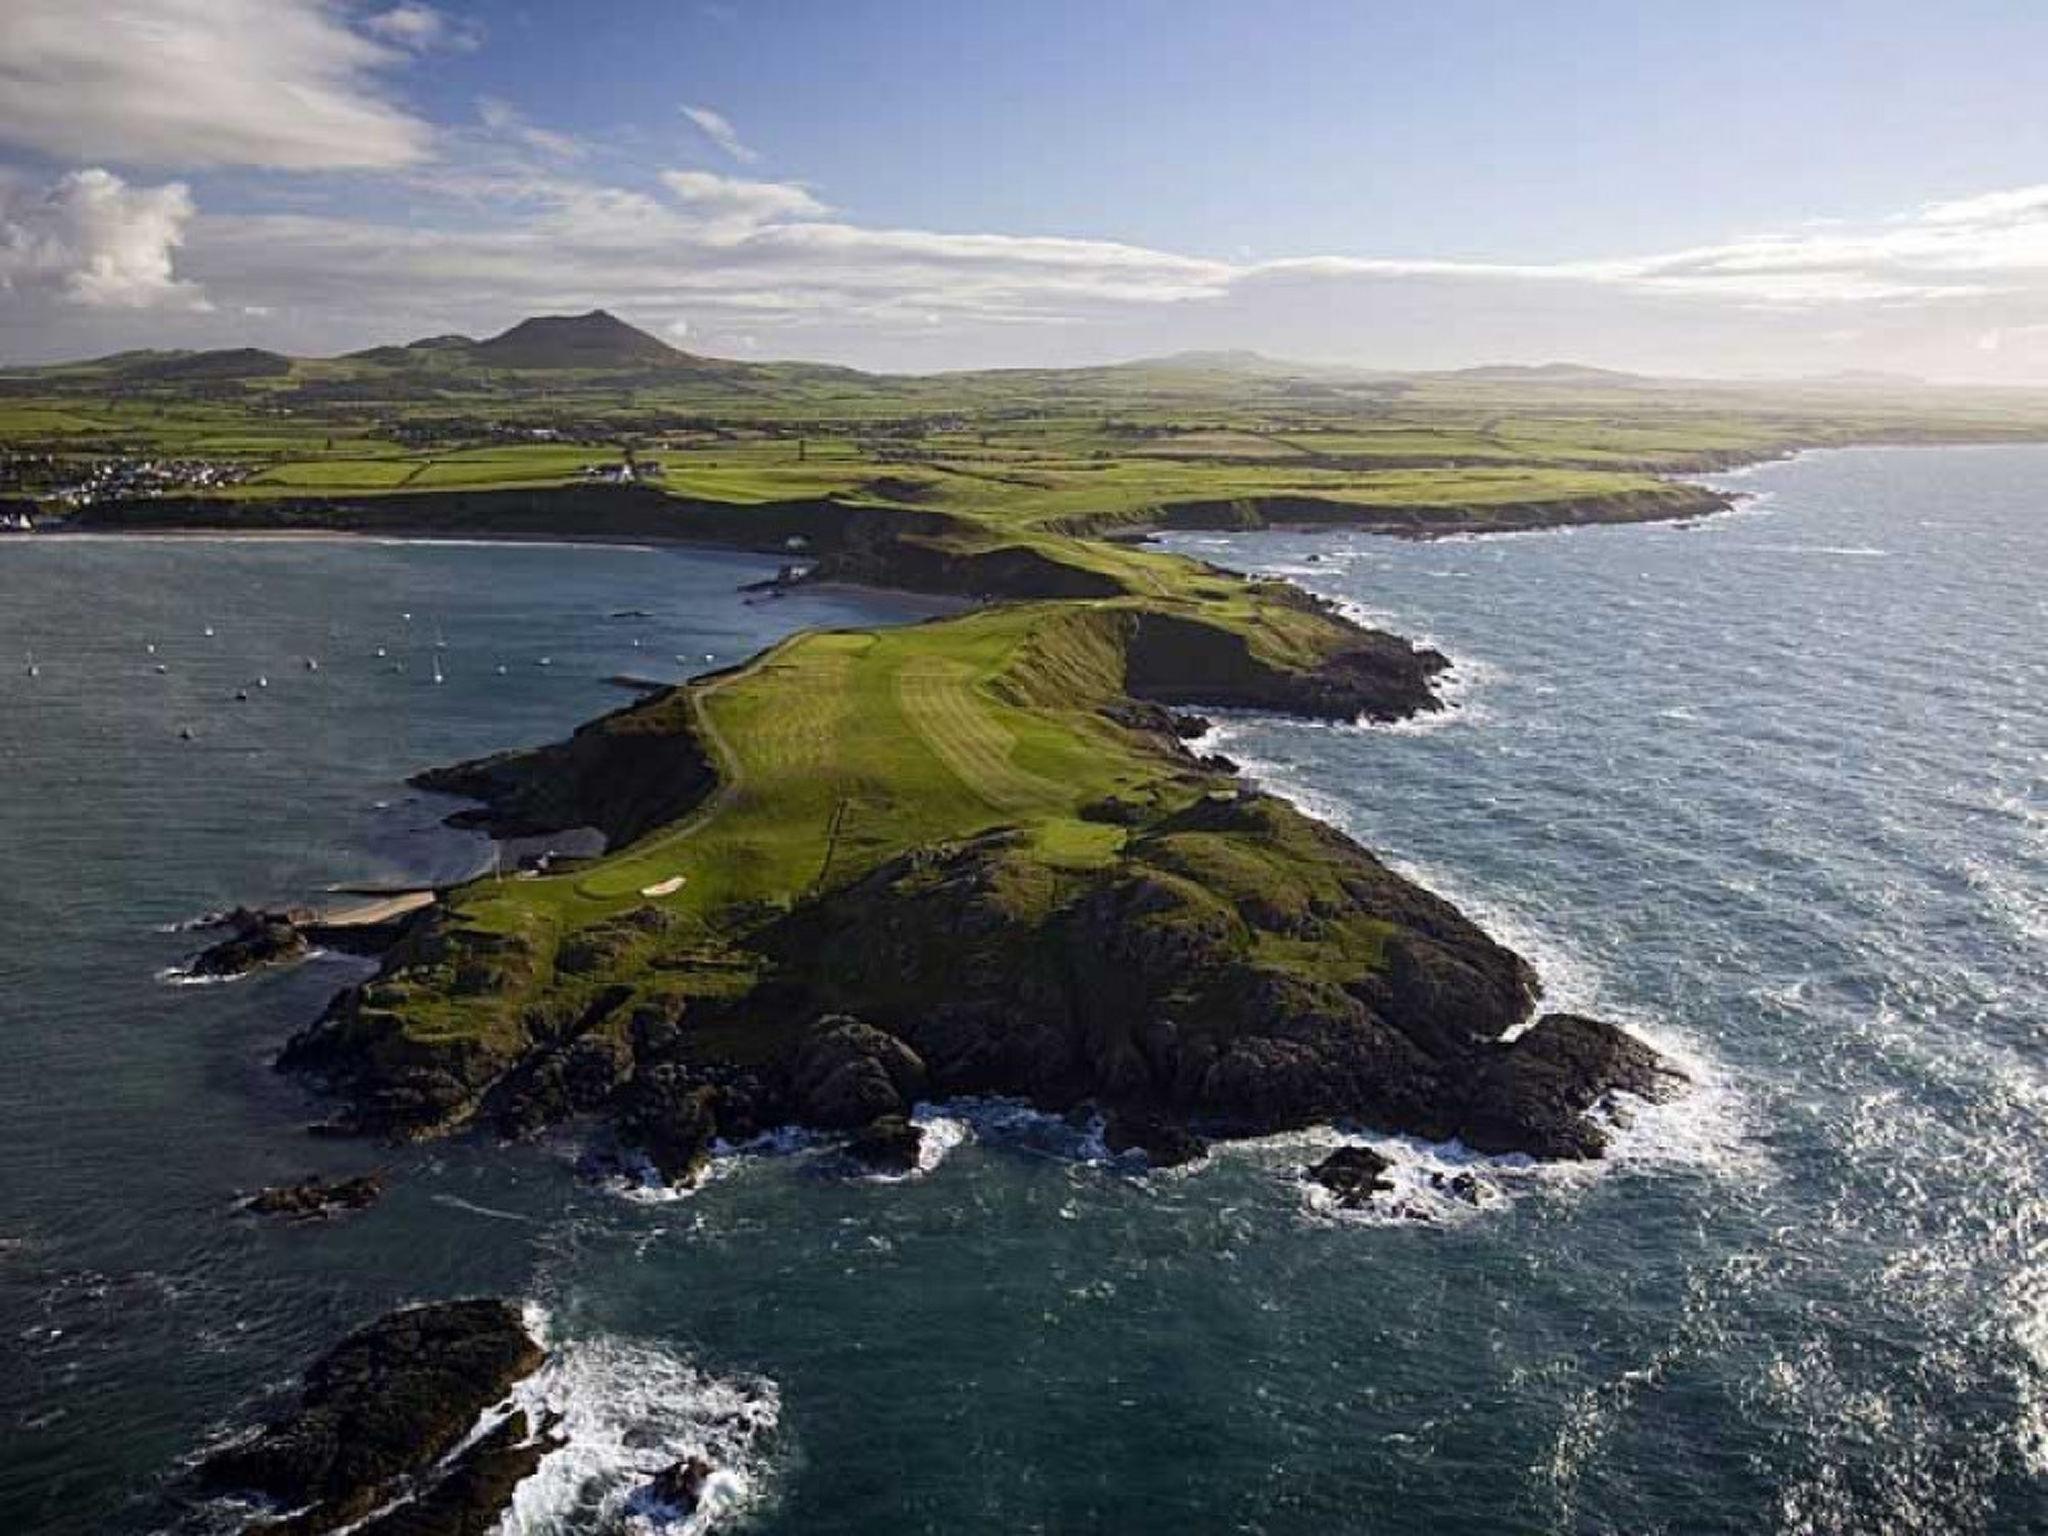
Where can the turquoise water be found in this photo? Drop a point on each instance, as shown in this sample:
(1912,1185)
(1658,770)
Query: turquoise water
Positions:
(1770,790)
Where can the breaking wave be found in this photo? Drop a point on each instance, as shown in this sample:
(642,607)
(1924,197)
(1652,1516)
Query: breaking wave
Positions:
(627,1411)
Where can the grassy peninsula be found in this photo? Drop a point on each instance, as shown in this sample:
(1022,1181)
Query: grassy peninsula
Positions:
(970,855)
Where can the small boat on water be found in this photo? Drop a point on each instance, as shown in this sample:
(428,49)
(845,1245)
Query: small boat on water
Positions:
(34,670)
(380,653)
(209,631)
(437,670)
(547,661)
(312,665)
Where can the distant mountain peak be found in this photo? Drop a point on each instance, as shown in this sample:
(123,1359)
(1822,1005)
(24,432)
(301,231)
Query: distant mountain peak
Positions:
(598,339)
(1556,373)
(1215,360)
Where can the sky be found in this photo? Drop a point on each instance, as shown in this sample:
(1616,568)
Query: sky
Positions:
(1739,189)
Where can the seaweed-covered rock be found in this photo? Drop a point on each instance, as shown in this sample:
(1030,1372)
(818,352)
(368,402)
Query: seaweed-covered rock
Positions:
(1532,1095)
(887,1145)
(314,1196)
(254,940)
(379,1409)
(1165,1142)
(1352,1175)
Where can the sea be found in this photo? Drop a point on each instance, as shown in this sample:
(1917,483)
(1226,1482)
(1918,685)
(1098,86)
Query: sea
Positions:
(1770,789)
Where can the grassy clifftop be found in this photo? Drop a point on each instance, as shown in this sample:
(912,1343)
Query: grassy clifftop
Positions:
(982,838)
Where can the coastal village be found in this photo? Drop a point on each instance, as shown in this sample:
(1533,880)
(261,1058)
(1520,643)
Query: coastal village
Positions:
(57,484)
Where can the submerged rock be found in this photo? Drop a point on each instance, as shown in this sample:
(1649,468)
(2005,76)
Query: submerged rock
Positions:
(1165,1142)
(1462,1186)
(379,1411)
(316,1196)
(889,1144)
(680,1486)
(1352,1175)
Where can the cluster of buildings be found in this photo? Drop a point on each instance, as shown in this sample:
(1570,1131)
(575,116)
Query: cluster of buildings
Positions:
(623,472)
(116,479)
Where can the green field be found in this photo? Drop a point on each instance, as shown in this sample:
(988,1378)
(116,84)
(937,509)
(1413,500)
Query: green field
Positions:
(1083,449)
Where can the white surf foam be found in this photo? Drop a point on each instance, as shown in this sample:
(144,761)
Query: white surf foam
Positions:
(1015,1126)
(943,1131)
(631,1175)
(194,924)
(183,976)
(627,1411)
(1434,1183)
(457,1203)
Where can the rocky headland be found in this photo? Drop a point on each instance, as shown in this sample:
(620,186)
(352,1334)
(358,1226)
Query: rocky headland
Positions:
(392,1432)
(1157,942)
(1234,968)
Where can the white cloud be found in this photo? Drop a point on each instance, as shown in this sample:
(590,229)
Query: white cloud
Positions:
(481,241)
(718,128)
(505,120)
(278,83)
(422,28)
(772,249)
(1992,207)
(93,240)
(728,200)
